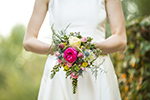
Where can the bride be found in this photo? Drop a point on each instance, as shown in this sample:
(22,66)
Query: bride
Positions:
(89,18)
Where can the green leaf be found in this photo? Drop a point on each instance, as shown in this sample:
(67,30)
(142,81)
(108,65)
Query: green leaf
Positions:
(144,85)
(145,46)
(77,68)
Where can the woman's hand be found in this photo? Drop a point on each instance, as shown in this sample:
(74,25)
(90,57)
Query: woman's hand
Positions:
(30,42)
(118,40)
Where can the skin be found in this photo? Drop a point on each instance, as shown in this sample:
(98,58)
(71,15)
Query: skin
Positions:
(30,42)
(116,42)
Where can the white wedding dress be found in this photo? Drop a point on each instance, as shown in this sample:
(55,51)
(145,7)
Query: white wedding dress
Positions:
(89,18)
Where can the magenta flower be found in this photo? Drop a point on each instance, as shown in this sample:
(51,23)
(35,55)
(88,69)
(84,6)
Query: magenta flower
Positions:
(73,75)
(70,55)
(61,45)
(80,55)
(83,39)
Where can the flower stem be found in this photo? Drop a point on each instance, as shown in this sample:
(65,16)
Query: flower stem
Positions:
(74,84)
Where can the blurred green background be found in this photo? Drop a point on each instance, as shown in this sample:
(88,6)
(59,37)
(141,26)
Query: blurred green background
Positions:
(21,71)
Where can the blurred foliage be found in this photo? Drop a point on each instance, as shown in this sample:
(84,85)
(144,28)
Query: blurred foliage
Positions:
(20,71)
(135,8)
(133,66)
(132,9)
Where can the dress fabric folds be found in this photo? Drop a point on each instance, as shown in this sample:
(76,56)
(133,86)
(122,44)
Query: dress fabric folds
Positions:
(89,18)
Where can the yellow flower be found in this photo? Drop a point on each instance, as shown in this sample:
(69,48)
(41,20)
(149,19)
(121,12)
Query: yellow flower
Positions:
(82,47)
(84,64)
(64,43)
(87,47)
(74,41)
(66,67)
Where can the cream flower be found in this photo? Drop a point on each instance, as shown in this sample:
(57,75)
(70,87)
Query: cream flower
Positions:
(92,55)
(74,41)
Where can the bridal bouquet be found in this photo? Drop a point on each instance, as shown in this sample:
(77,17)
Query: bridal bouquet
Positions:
(74,53)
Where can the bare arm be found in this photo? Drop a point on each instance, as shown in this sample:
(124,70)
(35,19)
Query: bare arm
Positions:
(30,42)
(116,42)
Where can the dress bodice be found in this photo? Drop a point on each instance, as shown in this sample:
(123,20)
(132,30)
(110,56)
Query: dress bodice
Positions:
(85,16)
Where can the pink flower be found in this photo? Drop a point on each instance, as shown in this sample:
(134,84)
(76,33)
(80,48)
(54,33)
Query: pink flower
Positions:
(82,68)
(73,75)
(65,63)
(61,45)
(59,61)
(80,55)
(70,55)
(57,54)
(69,64)
(83,39)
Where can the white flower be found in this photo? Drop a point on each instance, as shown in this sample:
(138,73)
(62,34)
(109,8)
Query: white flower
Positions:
(74,41)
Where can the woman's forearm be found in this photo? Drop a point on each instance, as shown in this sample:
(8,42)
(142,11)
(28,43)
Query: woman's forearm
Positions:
(112,44)
(31,43)
(116,42)
(36,46)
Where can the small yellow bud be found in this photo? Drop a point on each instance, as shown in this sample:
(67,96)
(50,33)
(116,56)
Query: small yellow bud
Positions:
(84,64)
(66,67)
